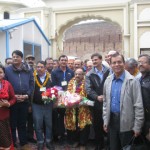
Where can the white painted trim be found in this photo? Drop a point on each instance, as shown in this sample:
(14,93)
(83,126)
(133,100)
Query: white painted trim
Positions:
(135,32)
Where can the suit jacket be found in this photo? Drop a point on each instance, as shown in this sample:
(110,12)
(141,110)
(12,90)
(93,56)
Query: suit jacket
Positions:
(94,85)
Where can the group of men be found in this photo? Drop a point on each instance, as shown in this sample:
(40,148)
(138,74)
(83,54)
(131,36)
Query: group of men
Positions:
(121,101)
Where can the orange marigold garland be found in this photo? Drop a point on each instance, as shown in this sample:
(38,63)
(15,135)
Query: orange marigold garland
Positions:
(84,115)
(136,72)
(38,83)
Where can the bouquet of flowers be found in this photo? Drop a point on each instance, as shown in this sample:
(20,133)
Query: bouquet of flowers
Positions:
(67,99)
(49,95)
(73,100)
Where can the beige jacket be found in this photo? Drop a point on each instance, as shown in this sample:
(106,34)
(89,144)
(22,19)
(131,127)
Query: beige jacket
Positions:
(131,105)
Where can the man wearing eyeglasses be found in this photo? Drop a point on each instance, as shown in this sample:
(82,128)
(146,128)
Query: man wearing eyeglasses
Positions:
(123,112)
(144,68)
(21,77)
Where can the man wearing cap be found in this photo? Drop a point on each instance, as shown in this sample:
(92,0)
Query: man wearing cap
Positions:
(30,60)
(21,77)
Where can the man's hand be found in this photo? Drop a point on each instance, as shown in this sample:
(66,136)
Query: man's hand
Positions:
(20,98)
(100,98)
(105,128)
(25,97)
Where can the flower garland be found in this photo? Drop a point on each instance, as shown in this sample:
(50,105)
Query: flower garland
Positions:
(37,81)
(135,72)
(84,115)
(72,87)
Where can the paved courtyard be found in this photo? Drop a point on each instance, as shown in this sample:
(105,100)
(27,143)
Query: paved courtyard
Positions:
(89,146)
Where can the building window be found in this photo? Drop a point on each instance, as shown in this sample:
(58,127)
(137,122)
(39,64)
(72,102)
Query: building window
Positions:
(145,51)
(6,15)
(32,49)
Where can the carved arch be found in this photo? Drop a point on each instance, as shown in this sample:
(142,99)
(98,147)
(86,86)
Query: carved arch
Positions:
(75,20)
(69,23)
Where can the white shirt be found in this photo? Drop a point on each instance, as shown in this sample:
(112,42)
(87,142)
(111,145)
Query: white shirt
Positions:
(42,78)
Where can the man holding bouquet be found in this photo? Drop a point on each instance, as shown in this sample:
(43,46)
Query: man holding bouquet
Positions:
(78,119)
(42,109)
(60,77)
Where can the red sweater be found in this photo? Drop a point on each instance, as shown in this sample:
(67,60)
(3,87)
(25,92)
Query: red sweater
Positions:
(4,111)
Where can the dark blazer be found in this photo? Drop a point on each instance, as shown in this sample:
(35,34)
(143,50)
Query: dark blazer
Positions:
(94,85)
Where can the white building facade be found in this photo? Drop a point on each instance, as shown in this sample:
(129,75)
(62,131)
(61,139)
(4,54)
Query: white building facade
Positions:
(56,16)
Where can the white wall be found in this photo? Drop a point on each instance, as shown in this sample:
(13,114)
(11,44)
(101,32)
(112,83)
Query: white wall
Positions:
(2,47)
(28,32)
(37,36)
(45,48)
(16,40)
(33,35)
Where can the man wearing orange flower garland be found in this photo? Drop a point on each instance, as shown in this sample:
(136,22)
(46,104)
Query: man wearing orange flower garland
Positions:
(42,112)
(78,120)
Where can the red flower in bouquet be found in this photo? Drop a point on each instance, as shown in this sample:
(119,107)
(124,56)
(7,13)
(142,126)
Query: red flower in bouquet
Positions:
(49,95)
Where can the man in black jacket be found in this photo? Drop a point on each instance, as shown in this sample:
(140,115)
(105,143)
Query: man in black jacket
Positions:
(42,112)
(94,87)
(144,68)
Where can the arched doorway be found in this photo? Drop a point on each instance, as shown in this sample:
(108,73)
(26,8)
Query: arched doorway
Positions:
(88,37)
(107,37)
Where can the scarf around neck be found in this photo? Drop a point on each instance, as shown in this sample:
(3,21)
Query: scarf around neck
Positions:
(4,90)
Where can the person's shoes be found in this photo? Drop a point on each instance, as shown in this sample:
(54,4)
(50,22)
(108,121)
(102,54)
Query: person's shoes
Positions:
(98,147)
(82,147)
(25,147)
(62,141)
(75,144)
(40,146)
(55,139)
(31,140)
(50,146)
